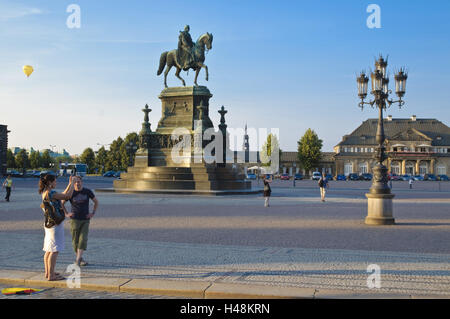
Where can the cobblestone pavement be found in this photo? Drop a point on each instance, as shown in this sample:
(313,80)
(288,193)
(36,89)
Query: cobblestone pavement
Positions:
(298,241)
(61,293)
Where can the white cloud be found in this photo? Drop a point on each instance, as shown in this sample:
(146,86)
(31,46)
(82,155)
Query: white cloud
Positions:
(14,11)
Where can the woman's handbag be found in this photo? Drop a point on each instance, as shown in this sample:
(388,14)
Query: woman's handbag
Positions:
(52,215)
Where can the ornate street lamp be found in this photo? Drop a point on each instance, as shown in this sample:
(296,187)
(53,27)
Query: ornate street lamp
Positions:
(379,197)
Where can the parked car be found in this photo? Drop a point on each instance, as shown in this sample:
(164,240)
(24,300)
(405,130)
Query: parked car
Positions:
(109,174)
(117,174)
(405,177)
(393,177)
(417,178)
(340,177)
(251,176)
(298,176)
(269,176)
(329,177)
(37,174)
(48,173)
(443,178)
(353,177)
(316,176)
(284,177)
(30,173)
(14,173)
(430,177)
(366,177)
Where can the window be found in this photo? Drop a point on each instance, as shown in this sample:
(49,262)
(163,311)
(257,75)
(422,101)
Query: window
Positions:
(395,149)
(441,170)
(423,169)
(395,168)
(363,168)
(348,168)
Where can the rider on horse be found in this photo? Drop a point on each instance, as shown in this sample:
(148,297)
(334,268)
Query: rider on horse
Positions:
(185,47)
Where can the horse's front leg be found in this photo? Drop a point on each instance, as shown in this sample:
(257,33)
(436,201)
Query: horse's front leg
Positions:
(178,76)
(165,74)
(207,74)
(196,75)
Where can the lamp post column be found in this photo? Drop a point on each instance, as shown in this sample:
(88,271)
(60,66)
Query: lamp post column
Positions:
(380,211)
(379,202)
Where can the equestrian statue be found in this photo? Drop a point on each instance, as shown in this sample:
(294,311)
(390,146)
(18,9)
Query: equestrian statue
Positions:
(189,55)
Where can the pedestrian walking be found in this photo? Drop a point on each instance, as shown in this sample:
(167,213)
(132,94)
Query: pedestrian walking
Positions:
(410,182)
(80,218)
(323,184)
(54,236)
(267,190)
(7,184)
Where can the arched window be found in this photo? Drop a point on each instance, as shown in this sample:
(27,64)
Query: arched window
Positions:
(441,170)
(363,168)
(395,168)
(348,168)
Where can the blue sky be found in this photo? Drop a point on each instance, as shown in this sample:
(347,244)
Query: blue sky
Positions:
(274,64)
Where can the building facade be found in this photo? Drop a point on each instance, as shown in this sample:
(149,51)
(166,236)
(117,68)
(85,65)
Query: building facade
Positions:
(289,164)
(3,148)
(413,146)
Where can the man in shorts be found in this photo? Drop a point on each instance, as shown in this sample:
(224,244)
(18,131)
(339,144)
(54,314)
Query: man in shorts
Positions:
(80,218)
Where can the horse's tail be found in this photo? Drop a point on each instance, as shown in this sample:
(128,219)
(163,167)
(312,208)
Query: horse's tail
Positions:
(162,62)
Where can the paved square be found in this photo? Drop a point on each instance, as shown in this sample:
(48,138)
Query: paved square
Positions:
(296,242)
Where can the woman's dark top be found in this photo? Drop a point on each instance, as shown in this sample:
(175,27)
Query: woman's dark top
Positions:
(267,189)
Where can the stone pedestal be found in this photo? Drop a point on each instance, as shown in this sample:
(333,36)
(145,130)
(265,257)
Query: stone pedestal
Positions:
(186,109)
(379,209)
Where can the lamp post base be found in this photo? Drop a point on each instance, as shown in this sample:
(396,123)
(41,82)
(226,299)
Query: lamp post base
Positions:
(380,211)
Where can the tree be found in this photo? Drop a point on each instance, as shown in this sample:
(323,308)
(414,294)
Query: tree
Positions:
(267,155)
(114,158)
(22,160)
(101,159)
(130,139)
(10,159)
(46,159)
(309,150)
(88,157)
(35,160)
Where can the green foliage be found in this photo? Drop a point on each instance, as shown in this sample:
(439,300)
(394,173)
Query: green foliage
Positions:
(130,140)
(88,157)
(35,160)
(10,159)
(22,161)
(46,159)
(114,157)
(101,159)
(117,158)
(309,150)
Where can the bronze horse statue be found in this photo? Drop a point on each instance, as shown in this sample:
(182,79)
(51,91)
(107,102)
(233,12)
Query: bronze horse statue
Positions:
(169,59)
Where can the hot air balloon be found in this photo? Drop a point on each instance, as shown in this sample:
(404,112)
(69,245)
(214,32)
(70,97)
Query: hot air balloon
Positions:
(27,69)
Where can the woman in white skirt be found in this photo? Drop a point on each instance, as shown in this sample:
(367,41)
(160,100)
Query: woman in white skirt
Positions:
(54,236)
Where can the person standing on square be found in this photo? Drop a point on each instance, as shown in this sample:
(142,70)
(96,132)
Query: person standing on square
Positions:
(267,190)
(7,184)
(323,184)
(80,218)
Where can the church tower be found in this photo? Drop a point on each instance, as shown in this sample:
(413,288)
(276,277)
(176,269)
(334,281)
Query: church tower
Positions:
(246,146)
